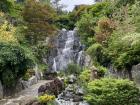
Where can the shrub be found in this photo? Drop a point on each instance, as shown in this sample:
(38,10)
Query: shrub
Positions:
(101,71)
(112,92)
(98,54)
(73,69)
(104,30)
(13,63)
(46,99)
(85,76)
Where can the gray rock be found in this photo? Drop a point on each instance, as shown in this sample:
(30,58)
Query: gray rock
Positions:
(136,73)
(77,99)
(80,91)
(38,73)
(33,80)
(72,79)
(25,84)
(1,90)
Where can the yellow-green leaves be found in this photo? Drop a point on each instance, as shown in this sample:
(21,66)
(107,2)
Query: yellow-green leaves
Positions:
(7,33)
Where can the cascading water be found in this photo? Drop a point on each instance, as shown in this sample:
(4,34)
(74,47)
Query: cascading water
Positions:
(69,50)
(54,65)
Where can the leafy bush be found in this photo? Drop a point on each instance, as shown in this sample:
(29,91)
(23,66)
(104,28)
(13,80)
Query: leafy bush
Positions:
(26,76)
(98,54)
(101,71)
(40,21)
(46,99)
(112,92)
(85,76)
(13,63)
(73,69)
(7,33)
(124,50)
(88,21)
(104,30)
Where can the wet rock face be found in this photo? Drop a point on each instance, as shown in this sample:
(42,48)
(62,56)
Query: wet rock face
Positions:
(68,49)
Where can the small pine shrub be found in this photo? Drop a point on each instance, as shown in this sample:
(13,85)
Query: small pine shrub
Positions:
(112,92)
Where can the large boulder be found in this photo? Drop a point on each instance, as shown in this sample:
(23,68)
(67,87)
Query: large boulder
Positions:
(54,87)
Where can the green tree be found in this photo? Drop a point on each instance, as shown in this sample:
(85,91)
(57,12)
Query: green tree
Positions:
(13,63)
(40,21)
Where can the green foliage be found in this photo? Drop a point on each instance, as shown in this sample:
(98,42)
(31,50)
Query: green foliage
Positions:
(127,54)
(46,99)
(119,3)
(40,21)
(101,71)
(26,76)
(85,76)
(98,54)
(86,28)
(136,15)
(89,19)
(73,69)
(65,21)
(104,30)
(5,5)
(112,92)
(40,51)
(115,25)
(13,63)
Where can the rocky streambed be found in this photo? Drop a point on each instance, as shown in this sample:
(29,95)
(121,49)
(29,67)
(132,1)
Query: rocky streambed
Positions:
(72,95)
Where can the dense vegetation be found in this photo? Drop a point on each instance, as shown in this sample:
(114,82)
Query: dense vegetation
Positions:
(22,36)
(110,30)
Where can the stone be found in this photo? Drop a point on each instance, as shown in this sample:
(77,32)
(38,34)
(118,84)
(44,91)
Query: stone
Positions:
(55,87)
(94,73)
(42,89)
(72,79)
(37,73)
(136,73)
(80,92)
(1,90)
(25,84)
(77,98)
(33,80)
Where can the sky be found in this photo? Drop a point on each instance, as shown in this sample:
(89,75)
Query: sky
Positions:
(71,3)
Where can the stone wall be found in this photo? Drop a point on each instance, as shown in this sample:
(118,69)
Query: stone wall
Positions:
(112,72)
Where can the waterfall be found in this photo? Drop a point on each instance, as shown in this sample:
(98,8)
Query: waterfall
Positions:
(79,57)
(54,65)
(69,50)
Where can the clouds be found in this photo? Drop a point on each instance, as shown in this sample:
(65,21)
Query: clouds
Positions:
(71,3)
